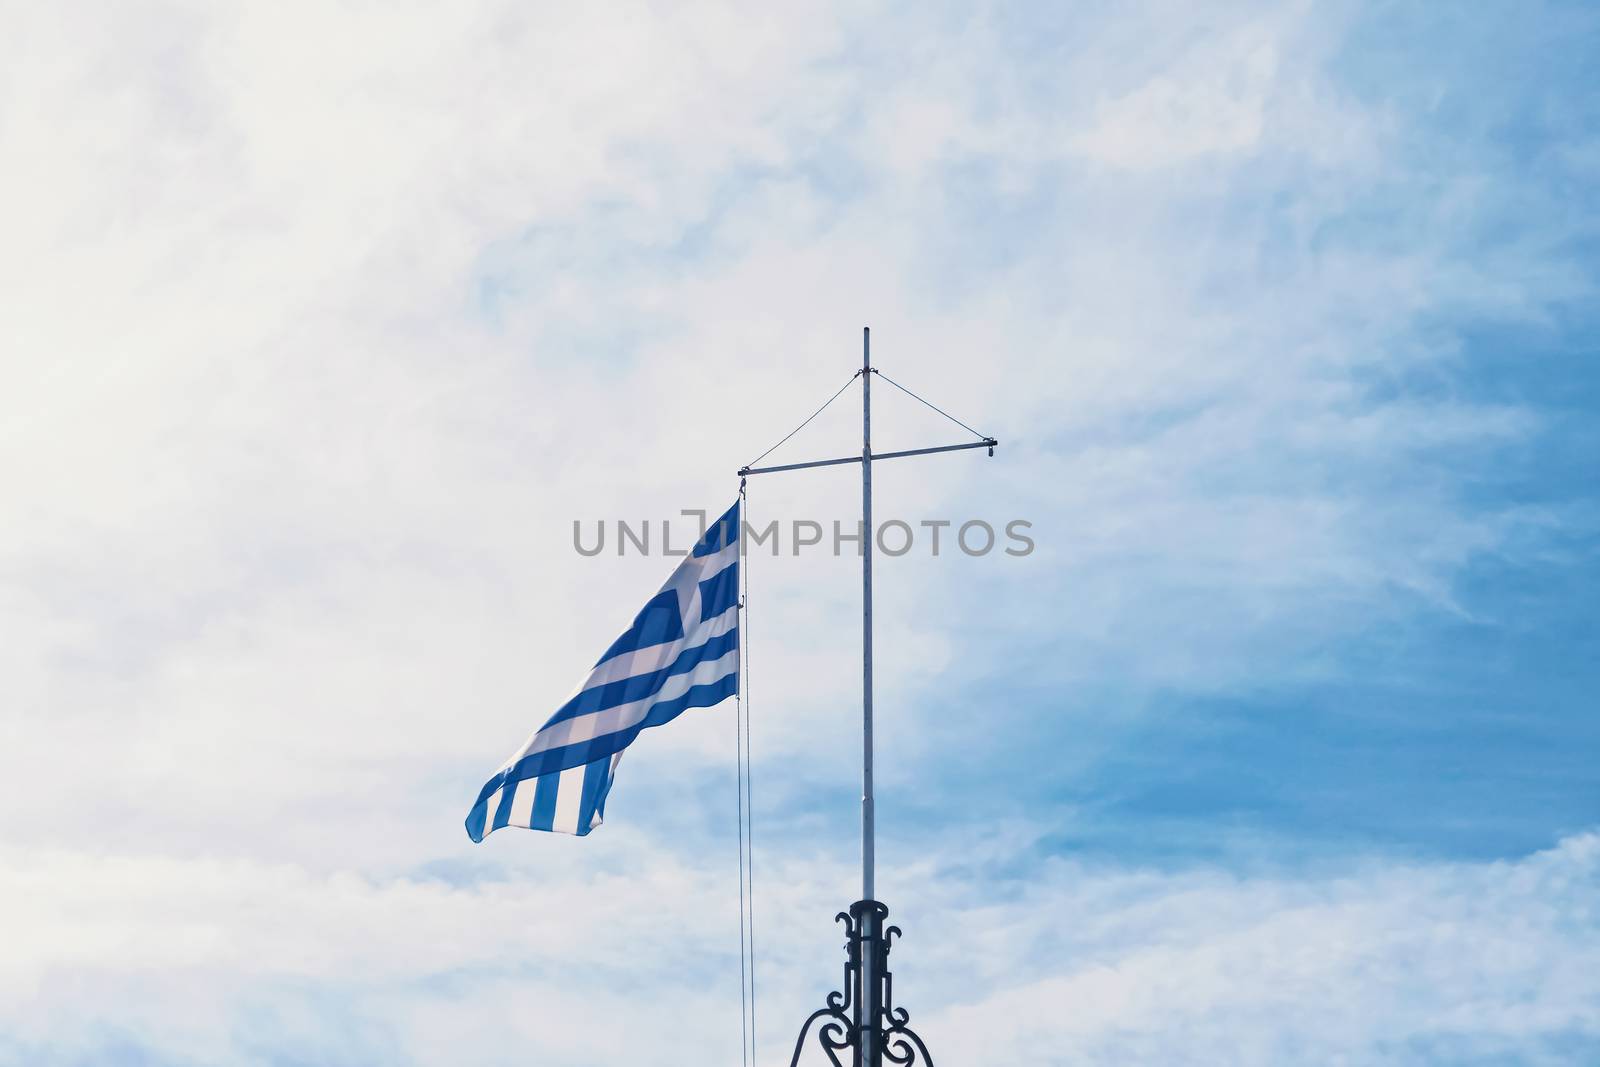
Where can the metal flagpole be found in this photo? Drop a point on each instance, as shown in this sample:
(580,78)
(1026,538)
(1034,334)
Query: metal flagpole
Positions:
(862,1017)
(868,854)
(869,1016)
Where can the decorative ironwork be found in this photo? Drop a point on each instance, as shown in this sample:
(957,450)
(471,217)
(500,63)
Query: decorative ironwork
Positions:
(867,994)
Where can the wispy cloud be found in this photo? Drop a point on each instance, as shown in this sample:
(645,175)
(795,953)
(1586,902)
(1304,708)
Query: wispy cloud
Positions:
(1369,961)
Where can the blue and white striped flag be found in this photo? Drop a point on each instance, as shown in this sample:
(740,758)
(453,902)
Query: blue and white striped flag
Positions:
(681,652)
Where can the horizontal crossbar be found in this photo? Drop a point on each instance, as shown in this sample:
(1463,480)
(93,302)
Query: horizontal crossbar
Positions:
(987,442)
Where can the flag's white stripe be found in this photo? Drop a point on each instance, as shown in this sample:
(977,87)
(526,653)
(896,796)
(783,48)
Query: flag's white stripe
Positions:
(709,567)
(652,659)
(720,560)
(522,802)
(705,567)
(611,720)
(569,799)
(491,809)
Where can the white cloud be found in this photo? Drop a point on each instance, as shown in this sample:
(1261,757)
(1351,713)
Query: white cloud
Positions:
(1375,961)
(1390,963)
(1216,105)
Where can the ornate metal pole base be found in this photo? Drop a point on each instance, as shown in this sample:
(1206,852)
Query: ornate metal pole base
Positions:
(865,1008)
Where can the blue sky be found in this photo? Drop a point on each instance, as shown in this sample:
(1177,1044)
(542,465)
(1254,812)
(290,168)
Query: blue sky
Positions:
(326,322)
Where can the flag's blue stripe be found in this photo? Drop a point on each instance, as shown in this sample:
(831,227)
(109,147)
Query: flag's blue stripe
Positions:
(701,696)
(719,592)
(556,760)
(721,534)
(544,802)
(642,686)
(479,811)
(475,818)
(657,623)
(502,814)
(605,791)
(595,776)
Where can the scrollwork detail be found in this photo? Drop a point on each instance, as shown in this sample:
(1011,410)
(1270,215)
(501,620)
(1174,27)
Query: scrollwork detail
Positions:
(896,1042)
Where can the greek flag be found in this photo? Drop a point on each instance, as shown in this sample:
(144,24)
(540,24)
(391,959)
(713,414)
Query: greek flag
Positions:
(681,652)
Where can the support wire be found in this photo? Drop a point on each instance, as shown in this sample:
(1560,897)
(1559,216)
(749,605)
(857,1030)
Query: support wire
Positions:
(813,415)
(918,399)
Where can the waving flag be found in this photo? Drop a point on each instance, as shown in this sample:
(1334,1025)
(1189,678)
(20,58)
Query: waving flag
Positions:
(681,652)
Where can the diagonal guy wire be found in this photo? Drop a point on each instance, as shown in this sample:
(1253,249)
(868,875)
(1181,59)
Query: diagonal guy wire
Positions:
(918,399)
(814,414)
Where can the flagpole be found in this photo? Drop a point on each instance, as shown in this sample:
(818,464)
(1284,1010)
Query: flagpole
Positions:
(869,983)
(868,840)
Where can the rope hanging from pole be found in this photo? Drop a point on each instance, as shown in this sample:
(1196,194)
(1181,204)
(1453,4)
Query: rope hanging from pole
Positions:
(745,808)
(749,770)
(738,794)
